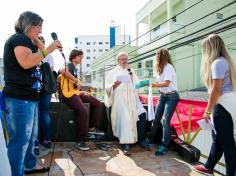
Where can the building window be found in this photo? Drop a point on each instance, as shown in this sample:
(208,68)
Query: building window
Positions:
(94,57)
(88,65)
(101,72)
(80,43)
(88,78)
(106,49)
(107,43)
(88,43)
(94,50)
(139,65)
(219,16)
(94,75)
(100,43)
(149,64)
(149,68)
(100,50)
(76,40)
(94,43)
(88,57)
(88,50)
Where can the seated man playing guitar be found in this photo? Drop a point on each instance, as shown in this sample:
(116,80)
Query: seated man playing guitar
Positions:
(72,96)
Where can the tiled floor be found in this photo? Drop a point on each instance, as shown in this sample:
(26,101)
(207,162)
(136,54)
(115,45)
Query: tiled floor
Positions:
(68,161)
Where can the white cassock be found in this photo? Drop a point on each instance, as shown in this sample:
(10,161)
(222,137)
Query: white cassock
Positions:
(124,113)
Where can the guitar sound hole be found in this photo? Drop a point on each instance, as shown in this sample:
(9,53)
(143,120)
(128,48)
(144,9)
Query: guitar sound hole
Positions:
(75,86)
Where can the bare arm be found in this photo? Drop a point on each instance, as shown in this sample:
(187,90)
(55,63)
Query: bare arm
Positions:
(27,59)
(161,84)
(215,93)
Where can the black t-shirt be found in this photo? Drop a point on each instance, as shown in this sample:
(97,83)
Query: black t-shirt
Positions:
(73,70)
(20,83)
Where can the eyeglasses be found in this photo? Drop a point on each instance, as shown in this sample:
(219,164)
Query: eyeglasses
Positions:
(123,59)
(129,70)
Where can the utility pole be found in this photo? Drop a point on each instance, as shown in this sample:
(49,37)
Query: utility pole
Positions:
(104,79)
(110,66)
(124,35)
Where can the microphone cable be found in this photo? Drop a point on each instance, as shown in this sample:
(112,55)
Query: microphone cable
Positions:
(59,118)
(59,115)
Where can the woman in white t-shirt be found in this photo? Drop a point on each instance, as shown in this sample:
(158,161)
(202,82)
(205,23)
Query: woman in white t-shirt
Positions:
(219,76)
(169,97)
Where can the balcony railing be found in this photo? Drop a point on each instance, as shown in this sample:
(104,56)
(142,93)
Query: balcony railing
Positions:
(159,31)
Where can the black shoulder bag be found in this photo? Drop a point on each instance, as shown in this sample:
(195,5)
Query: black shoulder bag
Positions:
(49,82)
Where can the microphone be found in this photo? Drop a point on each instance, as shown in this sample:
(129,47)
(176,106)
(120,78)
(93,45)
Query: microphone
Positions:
(54,37)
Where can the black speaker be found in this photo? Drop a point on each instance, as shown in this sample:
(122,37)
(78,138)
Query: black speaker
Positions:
(188,152)
(104,122)
(63,123)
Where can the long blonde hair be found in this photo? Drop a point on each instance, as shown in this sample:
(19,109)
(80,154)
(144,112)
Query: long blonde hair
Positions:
(212,48)
(164,58)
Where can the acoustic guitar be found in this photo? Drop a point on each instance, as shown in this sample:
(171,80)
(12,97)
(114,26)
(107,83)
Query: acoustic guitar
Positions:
(68,87)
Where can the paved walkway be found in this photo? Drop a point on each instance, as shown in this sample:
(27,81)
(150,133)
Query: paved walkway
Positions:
(97,162)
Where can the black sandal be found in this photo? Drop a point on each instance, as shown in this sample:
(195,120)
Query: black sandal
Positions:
(35,171)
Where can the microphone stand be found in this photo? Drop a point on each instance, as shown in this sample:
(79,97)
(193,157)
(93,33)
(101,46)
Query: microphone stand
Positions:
(59,114)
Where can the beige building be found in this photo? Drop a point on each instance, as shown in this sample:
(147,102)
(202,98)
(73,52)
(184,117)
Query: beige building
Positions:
(180,26)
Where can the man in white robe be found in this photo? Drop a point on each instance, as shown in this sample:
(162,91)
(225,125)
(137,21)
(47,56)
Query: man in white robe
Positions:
(122,96)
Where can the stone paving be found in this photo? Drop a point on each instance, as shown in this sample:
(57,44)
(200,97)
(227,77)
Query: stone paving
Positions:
(67,161)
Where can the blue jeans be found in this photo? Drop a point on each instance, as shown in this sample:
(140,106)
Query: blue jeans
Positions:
(223,141)
(44,118)
(166,105)
(23,130)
